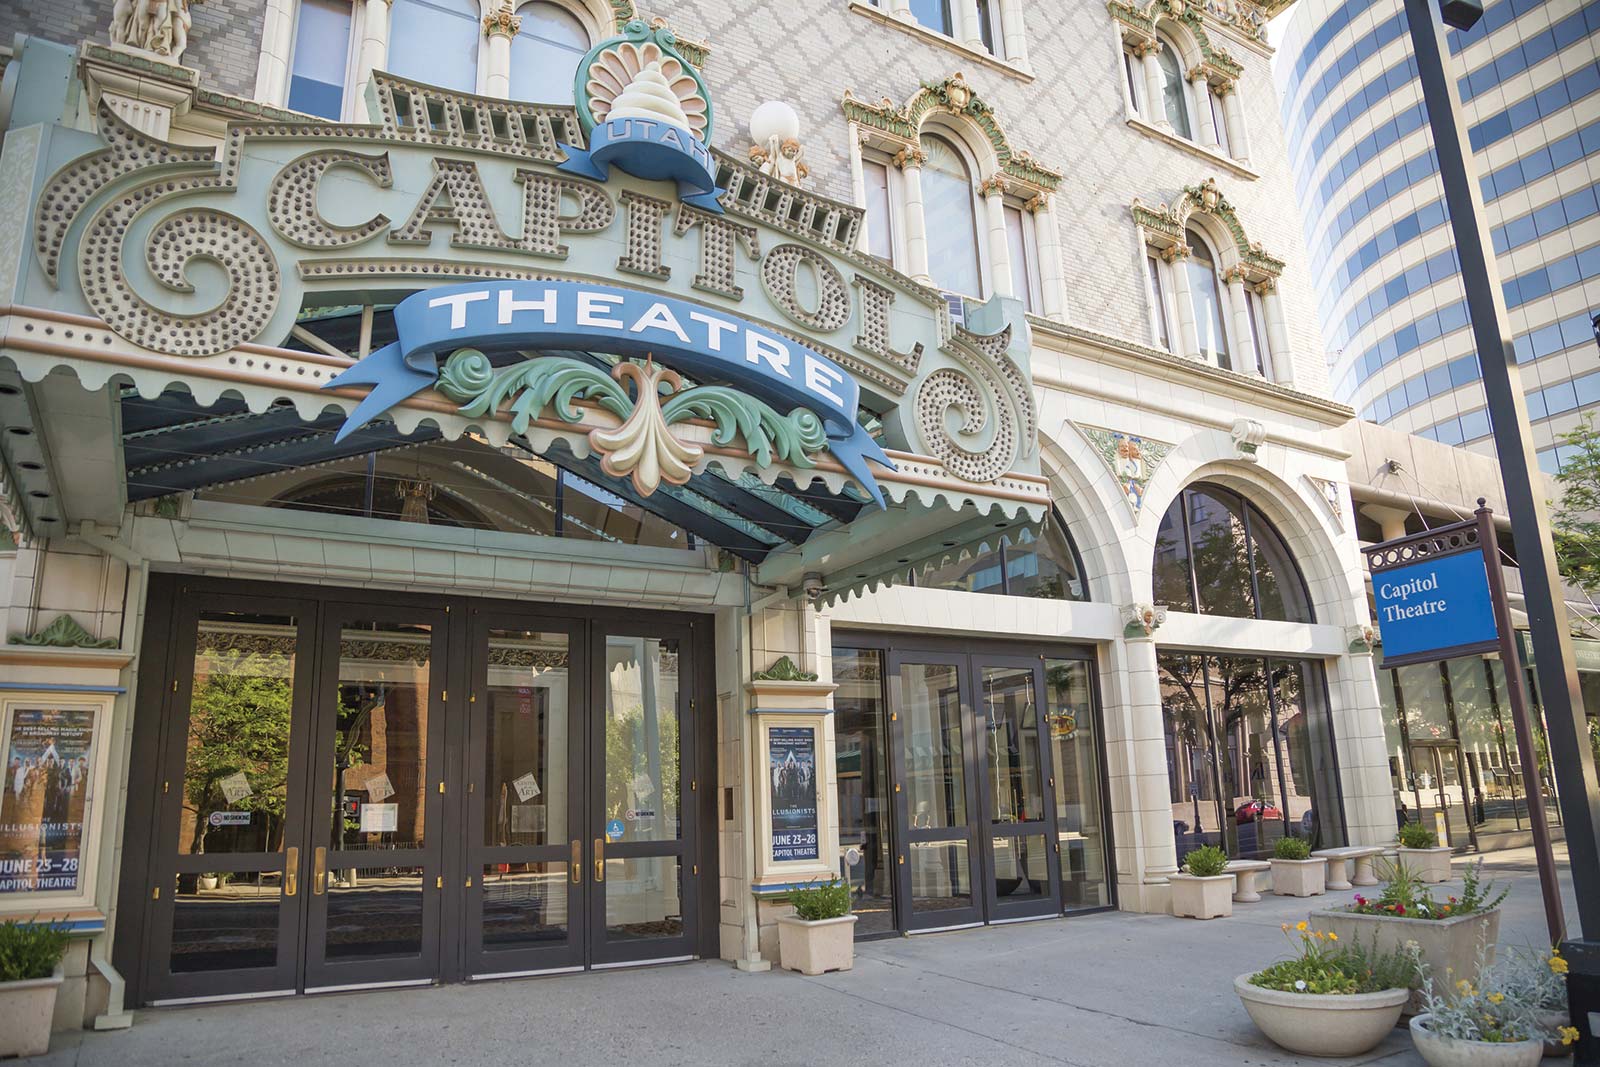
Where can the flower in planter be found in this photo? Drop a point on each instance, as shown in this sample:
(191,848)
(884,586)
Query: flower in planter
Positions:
(1323,966)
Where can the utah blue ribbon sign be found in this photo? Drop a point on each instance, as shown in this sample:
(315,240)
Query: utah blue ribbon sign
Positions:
(654,151)
(707,345)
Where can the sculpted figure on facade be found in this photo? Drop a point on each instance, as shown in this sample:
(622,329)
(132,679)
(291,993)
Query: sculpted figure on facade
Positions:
(777,151)
(158,26)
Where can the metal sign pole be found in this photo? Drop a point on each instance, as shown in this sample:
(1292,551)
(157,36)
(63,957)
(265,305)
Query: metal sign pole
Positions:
(1517,695)
(1570,757)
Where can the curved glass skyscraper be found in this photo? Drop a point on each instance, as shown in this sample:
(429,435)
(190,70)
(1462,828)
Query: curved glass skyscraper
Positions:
(1383,260)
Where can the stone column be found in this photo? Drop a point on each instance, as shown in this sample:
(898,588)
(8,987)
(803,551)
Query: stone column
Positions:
(1052,277)
(968,28)
(910,160)
(1187,341)
(372,55)
(1011,32)
(901,9)
(1392,521)
(1238,136)
(277,39)
(1141,801)
(994,204)
(1200,98)
(1246,358)
(1277,332)
(499,27)
(1155,111)
(858,187)
(1369,806)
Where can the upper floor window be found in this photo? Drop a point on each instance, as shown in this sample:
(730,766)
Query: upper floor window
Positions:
(1205,296)
(545,53)
(949,203)
(1216,554)
(880,210)
(977,24)
(436,42)
(935,15)
(1174,90)
(320,59)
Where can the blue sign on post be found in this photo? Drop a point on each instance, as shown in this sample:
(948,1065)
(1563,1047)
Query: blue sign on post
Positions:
(1434,608)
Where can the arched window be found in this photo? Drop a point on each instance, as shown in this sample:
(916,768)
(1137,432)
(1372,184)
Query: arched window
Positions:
(949,203)
(1036,561)
(1174,90)
(1216,554)
(1205,290)
(545,53)
(436,42)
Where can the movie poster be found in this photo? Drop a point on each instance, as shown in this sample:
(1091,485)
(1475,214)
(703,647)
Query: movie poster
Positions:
(49,755)
(792,751)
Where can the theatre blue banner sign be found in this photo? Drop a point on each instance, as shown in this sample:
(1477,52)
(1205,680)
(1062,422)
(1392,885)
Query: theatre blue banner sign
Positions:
(1432,596)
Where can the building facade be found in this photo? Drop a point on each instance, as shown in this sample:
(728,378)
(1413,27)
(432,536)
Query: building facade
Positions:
(500,492)
(1391,302)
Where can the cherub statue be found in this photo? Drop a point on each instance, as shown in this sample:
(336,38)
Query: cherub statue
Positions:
(781,159)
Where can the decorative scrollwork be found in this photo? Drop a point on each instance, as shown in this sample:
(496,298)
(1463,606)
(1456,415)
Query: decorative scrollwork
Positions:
(945,389)
(642,448)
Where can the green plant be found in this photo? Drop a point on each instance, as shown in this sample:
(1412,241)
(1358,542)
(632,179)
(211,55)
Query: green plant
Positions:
(1291,848)
(1324,965)
(1482,1013)
(1207,861)
(821,900)
(1416,835)
(30,950)
(1530,974)
(1404,896)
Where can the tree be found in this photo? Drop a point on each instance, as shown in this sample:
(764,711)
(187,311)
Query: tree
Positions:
(1576,522)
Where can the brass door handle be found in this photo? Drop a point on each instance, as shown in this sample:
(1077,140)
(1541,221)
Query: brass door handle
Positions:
(319,871)
(599,859)
(291,871)
(576,865)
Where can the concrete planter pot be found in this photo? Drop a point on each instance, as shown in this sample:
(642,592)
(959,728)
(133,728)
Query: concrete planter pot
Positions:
(1449,947)
(1202,898)
(1322,1024)
(26,1009)
(818,946)
(1432,865)
(1299,878)
(1553,1021)
(1448,1052)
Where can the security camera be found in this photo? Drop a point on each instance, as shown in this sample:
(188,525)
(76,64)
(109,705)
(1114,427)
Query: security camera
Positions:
(812,585)
(1461,14)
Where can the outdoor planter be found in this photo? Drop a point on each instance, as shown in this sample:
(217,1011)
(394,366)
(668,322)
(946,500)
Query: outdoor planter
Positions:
(1448,1052)
(1432,865)
(818,946)
(1448,947)
(1202,898)
(1553,1021)
(1326,1024)
(26,1009)
(1299,878)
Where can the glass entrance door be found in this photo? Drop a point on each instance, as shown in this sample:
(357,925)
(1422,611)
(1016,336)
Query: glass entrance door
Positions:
(930,720)
(525,861)
(378,793)
(1441,799)
(228,850)
(642,793)
(1020,846)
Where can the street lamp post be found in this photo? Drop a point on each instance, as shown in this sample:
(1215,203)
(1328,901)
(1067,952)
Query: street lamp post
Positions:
(1570,756)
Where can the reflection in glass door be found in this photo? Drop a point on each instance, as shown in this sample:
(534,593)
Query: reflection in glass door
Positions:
(227,857)
(524,823)
(1077,783)
(1020,839)
(936,857)
(378,786)
(1441,800)
(642,844)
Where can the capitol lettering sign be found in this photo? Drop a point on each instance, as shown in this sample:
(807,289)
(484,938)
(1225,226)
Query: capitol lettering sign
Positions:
(1434,607)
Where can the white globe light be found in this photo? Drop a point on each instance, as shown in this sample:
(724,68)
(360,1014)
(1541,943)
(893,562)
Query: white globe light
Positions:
(774,119)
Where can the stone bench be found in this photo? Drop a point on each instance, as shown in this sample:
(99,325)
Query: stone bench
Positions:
(1361,855)
(1245,873)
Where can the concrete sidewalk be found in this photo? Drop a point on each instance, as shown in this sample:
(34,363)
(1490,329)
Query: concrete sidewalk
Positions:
(1109,989)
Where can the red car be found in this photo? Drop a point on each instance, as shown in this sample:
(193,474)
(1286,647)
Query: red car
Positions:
(1255,811)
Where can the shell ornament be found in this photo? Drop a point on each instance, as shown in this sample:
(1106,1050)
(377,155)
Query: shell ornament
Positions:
(639,74)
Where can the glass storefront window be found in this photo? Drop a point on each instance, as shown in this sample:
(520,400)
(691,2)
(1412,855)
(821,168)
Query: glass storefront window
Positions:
(862,768)
(936,791)
(1250,753)
(526,737)
(641,731)
(1037,561)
